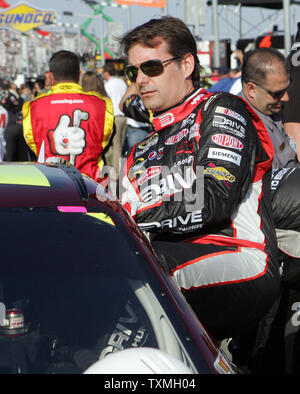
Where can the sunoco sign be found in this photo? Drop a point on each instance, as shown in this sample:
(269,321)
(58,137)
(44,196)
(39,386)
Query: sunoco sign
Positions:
(24,17)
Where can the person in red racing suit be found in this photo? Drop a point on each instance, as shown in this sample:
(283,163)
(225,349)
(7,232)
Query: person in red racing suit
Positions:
(200,184)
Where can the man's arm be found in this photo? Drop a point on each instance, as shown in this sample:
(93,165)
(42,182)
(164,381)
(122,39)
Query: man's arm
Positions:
(132,89)
(133,107)
(293,130)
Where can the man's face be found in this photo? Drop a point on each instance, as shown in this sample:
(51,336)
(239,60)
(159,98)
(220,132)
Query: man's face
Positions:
(168,89)
(276,81)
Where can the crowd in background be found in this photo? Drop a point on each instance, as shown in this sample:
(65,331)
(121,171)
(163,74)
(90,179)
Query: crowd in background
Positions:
(110,84)
(109,81)
(13,95)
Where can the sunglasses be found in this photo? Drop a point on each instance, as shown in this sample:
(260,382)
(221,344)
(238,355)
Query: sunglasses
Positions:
(151,68)
(276,95)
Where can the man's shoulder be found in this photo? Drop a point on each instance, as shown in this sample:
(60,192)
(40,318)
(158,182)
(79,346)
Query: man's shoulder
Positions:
(226,100)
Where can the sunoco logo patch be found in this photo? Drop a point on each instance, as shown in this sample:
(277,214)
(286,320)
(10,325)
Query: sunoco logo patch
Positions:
(23,18)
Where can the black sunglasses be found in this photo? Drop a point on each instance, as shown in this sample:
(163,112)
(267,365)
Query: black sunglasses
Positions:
(151,68)
(276,95)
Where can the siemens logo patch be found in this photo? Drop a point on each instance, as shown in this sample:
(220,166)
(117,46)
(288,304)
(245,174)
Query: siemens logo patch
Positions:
(224,154)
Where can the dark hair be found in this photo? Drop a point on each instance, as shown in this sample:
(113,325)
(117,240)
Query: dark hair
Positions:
(92,81)
(110,68)
(172,30)
(65,66)
(257,64)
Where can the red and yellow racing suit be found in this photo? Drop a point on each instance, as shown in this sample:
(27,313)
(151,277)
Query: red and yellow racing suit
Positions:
(69,123)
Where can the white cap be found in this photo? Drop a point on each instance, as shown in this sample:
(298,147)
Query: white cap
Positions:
(141,360)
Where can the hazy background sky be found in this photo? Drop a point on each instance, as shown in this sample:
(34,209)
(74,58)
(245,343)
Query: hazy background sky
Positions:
(255,20)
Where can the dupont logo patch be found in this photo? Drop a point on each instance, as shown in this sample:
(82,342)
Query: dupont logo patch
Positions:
(176,138)
(228,141)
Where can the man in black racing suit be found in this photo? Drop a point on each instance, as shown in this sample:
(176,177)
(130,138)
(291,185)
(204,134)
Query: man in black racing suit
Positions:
(200,183)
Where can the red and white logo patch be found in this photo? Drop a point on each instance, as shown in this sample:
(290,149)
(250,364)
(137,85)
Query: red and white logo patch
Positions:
(228,141)
(176,138)
(151,172)
(166,119)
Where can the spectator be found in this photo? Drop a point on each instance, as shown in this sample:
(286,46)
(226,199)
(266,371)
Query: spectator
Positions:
(3,125)
(236,86)
(222,251)
(67,122)
(91,81)
(16,148)
(265,80)
(115,88)
(25,92)
(225,82)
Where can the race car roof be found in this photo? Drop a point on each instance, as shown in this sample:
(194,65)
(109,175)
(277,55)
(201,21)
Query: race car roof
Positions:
(33,184)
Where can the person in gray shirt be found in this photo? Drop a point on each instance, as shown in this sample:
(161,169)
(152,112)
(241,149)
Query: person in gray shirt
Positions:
(265,80)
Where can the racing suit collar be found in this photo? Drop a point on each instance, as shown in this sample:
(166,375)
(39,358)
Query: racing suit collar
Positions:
(66,87)
(180,111)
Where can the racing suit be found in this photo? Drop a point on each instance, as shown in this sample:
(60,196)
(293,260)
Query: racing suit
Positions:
(200,186)
(69,123)
(286,207)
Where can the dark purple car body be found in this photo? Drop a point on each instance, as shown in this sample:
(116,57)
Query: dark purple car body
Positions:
(84,279)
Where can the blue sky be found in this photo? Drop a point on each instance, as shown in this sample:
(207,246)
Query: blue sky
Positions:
(256,20)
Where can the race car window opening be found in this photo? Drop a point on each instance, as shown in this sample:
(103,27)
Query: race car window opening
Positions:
(168,339)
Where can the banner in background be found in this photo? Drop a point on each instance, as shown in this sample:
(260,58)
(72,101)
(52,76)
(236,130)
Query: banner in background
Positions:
(144,3)
(4,4)
(24,17)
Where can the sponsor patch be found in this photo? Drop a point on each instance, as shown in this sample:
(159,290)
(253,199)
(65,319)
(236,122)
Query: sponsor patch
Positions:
(182,223)
(194,131)
(136,168)
(224,154)
(148,141)
(151,172)
(188,121)
(229,125)
(176,138)
(146,144)
(197,98)
(152,155)
(212,98)
(279,175)
(166,119)
(220,173)
(160,153)
(231,113)
(228,141)
(184,161)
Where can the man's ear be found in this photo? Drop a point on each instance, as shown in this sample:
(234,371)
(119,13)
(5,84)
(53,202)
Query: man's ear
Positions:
(52,79)
(249,89)
(188,64)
